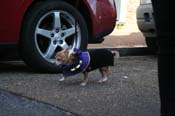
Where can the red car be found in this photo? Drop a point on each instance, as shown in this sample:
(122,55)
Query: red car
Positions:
(41,27)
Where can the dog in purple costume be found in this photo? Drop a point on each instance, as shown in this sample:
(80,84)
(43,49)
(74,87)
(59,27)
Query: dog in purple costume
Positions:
(76,61)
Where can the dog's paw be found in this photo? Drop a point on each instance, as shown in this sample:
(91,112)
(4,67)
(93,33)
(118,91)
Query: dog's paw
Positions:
(103,80)
(83,84)
(100,81)
(62,79)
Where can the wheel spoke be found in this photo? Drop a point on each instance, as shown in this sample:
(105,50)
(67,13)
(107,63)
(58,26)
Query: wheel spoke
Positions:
(57,20)
(69,32)
(50,51)
(43,32)
(64,45)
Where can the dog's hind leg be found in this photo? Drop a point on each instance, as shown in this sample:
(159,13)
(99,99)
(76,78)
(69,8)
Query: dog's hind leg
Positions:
(104,74)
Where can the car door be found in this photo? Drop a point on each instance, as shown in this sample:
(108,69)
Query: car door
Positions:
(8,11)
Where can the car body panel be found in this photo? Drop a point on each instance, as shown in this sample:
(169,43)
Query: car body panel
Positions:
(145,20)
(12,13)
(101,12)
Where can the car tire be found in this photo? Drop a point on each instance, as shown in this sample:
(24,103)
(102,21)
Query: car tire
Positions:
(151,42)
(48,27)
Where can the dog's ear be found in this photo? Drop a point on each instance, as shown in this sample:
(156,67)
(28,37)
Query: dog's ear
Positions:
(66,49)
(76,54)
(70,47)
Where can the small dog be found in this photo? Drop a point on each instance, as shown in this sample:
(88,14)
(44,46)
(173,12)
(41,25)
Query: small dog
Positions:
(75,61)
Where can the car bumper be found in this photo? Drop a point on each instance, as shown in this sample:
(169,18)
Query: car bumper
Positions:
(145,20)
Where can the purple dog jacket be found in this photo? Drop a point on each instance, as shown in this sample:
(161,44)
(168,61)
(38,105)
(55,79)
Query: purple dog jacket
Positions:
(88,61)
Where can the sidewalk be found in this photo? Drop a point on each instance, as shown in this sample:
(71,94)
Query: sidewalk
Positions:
(128,36)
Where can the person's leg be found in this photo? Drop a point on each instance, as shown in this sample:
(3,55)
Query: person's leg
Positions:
(163,12)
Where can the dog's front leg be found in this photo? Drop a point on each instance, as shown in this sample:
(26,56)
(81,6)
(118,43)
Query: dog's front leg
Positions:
(62,78)
(85,79)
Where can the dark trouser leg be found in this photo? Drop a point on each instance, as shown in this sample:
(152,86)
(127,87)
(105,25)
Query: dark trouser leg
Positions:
(167,84)
(163,10)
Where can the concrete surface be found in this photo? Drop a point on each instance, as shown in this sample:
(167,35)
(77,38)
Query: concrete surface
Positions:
(132,89)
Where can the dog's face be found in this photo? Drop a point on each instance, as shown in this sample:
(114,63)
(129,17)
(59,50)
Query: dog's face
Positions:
(66,56)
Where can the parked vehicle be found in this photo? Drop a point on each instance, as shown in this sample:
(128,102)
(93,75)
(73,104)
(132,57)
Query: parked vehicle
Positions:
(41,27)
(145,21)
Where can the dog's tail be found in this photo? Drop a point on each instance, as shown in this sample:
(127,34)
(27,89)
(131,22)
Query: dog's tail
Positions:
(116,54)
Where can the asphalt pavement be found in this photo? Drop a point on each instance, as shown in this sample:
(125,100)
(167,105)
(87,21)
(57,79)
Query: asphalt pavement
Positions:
(12,104)
(132,90)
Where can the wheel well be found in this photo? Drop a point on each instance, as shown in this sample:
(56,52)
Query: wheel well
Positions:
(86,14)
(82,8)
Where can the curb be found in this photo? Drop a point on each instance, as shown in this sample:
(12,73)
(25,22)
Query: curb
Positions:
(124,51)
(137,51)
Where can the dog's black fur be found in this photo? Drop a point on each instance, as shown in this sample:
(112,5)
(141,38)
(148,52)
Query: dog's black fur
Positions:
(100,58)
